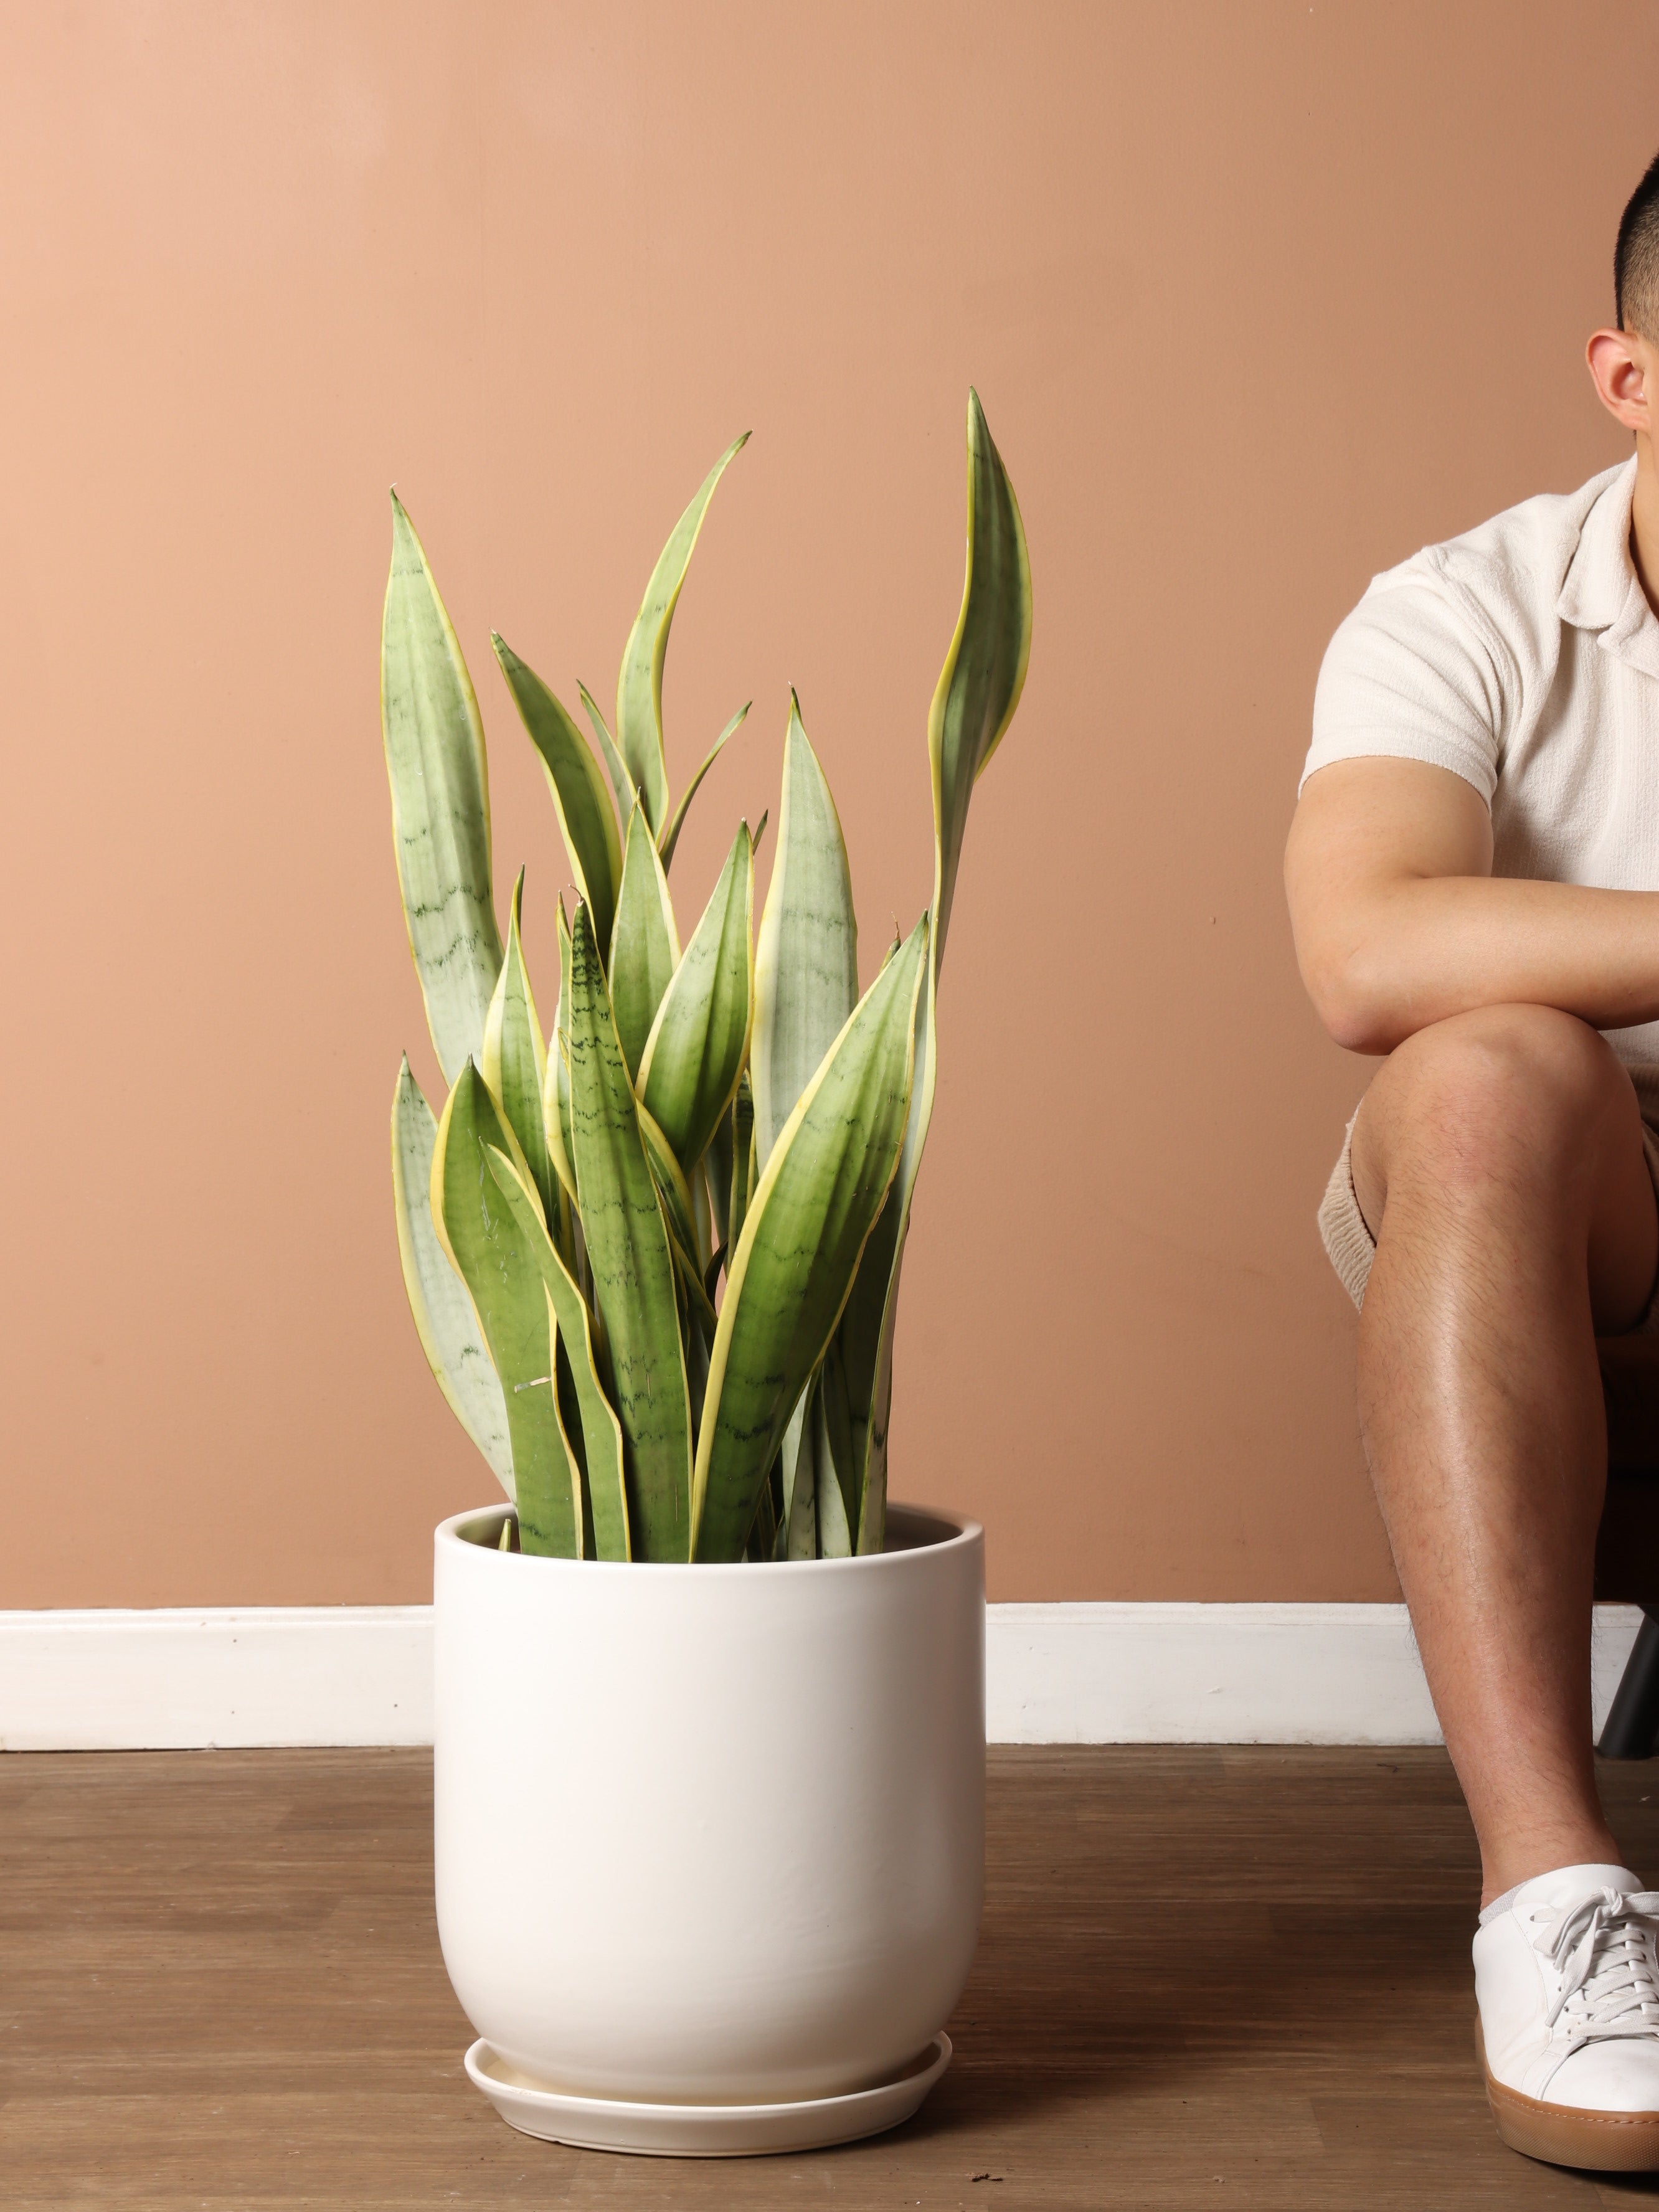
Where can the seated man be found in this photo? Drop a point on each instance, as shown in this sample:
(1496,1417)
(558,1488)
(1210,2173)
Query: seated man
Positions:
(1474,880)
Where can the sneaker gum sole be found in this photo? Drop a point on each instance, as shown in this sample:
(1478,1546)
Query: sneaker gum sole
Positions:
(1566,2135)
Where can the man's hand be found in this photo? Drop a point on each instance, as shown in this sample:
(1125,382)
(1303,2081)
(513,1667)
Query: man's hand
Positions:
(1399,923)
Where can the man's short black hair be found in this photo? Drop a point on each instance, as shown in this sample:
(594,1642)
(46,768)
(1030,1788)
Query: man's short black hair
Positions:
(1636,258)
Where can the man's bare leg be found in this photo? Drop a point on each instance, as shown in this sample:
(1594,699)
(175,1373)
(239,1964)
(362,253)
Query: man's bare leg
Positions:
(1497,1159)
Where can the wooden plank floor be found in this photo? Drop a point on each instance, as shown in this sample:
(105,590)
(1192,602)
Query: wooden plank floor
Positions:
(1208,1977)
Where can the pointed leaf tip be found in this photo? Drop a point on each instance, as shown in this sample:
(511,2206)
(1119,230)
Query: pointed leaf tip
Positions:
(984,671)
(699,1038)
(577,785)
(806,959)
(669,839)
(439,784)
(639,734)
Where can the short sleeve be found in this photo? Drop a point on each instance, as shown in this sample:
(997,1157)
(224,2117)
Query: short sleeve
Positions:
(1411,674)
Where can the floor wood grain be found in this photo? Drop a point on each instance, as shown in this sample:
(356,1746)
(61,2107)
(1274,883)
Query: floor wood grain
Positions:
(1208,1977)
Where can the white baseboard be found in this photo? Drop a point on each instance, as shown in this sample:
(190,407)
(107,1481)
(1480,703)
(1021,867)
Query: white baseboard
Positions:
(107,1680)
(113,1680)
(1228,1674)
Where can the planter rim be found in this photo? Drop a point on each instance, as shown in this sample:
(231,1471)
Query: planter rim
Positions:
(957,1532)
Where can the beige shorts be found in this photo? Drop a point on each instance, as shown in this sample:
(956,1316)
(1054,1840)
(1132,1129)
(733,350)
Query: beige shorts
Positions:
(1350,1248)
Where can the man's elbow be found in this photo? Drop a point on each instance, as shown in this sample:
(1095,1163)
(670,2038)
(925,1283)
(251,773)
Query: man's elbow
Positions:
(1360,1007)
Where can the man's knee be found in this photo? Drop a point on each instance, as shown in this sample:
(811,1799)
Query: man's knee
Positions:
(1494,1093)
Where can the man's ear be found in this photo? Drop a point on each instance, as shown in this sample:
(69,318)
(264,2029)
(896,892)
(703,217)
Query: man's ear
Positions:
(1623,367)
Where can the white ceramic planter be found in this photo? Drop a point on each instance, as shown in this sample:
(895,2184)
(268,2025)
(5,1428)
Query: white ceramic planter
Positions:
(710,1835)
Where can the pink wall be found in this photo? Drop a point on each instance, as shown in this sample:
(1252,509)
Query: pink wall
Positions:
(1259,296)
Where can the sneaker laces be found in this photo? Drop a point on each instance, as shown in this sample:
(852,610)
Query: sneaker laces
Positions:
(1603,1948)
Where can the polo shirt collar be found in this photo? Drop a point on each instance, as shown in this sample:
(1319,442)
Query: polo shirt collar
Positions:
(1600,591)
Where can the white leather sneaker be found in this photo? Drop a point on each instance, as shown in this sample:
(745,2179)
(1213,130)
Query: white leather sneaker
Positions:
(1567,1982)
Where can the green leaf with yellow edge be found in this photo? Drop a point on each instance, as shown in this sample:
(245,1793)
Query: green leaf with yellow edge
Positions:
(672,1187)
(978,691)
(697,1332)
(838,1464)
(602,1435)
(444,1319)
(565,1414)
(701,1211)
(688,1070)
(515,1058)
(645,946)
(496,1262)
(615,766)
(671,836)
(866,1344)
(984,671)
(680,1214)
(586,821)
(633,1268)
(555,1088)
(698,1303)
(834,1531)
(799,1466)
(435,758)
(817,1201)
(555,1124)
(806,963)
(745,1173)
(638,685)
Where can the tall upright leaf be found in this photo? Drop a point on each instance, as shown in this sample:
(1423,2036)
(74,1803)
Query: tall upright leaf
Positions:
(444,1320)
(688,1070)
(514,1059)
(435,758)
(807,964)
(984,671)
(586,821)
(490,1253)
(615,766)
(633,1269)
(645,946)
(638,685)
(602,1435)
(978,690)
(815,1206)
(555,1088)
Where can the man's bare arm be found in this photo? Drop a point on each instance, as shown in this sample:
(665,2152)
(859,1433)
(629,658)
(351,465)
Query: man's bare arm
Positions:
(1400,922)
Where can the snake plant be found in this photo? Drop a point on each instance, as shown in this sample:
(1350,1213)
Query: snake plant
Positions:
(653,1250)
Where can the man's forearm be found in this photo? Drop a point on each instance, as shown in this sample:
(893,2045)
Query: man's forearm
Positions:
(1417,950)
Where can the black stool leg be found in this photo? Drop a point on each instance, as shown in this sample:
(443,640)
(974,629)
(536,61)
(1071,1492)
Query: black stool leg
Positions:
(1633,1718)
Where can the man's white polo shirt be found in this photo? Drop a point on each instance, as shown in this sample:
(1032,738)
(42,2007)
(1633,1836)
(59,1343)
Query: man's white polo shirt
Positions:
(1524,657)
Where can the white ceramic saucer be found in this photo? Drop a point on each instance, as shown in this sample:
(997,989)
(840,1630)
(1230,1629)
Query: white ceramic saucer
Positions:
(703,2130)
